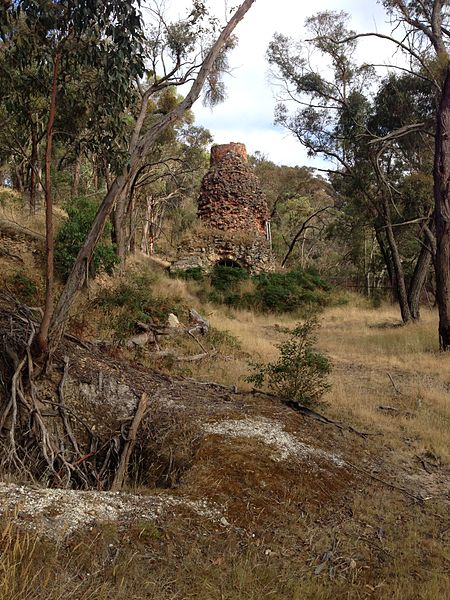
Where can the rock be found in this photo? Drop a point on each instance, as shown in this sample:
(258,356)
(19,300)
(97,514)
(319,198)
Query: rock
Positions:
(185,263)
(172,321)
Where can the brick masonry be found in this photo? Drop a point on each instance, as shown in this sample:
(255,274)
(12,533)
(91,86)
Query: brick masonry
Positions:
(234,214)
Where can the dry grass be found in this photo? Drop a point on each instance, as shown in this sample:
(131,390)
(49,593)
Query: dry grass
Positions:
(368,349)
(386,546)
(13,211)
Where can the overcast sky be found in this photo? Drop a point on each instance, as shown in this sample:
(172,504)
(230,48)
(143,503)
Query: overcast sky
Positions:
(247,114)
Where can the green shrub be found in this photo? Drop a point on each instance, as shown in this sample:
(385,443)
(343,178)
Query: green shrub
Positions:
(287,292)
(132,301)
(300,372)
(291,291)
(225,278)
(72,235)
(194,273)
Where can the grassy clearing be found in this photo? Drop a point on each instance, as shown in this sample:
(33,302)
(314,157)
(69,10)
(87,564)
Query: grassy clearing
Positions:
(367,347)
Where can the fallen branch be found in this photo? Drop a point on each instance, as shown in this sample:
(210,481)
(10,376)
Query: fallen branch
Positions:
(308,412)
(183,357)
(397,391)
(121,473)
(12,228)
(300,408)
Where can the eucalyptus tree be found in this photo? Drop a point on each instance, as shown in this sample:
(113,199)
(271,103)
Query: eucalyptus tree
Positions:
(59,37)
(426,41)
(335,116)
(192,52)
(421,31)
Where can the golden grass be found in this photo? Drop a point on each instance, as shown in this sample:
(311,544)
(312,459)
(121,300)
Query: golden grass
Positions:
(376,361)
(12,210)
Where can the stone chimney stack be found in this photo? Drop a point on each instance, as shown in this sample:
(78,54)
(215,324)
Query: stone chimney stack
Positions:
(218,152)
(233,210)
(231,198)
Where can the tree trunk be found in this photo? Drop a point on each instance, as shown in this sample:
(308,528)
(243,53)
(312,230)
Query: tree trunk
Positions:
(18,178)
(388,262)
(398,267)
(441,176)
(421,272)
(42,337)
(33,169)
(76,174)
(120,227)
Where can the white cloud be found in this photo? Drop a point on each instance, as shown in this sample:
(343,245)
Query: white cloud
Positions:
(247,114)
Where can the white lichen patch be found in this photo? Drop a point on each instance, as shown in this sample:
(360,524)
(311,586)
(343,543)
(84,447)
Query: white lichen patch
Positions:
(285,445)
(59,513)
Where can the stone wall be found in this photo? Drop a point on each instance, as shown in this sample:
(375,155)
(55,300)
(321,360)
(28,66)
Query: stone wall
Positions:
(206,250)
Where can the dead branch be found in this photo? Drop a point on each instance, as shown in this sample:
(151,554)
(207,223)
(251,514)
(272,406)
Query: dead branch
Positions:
(183,357)
(121,473)
(62,408)
(397,391)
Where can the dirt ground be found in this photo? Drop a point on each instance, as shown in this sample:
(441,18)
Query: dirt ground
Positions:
(236,495)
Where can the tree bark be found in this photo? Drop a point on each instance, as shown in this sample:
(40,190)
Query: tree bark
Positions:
(441,176)
(33,168)
(42,338)
(421,272)
(398,267)
(387,260)
(120,226)
(139,147)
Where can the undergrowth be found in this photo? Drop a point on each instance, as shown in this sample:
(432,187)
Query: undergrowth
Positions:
(300,290)
(134,300)
(72,234)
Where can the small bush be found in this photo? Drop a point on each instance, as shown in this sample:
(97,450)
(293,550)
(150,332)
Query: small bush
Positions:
(225,278)
(301,371)
(132,301)
(194,274)
(287,292)
(72,235)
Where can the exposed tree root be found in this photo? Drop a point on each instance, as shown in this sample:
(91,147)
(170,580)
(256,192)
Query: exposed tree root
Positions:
(41,438)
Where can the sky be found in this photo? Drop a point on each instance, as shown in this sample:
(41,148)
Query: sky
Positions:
(247,114)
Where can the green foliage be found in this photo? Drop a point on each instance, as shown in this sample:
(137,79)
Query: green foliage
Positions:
(192,274)
(225,278)
(72,235)
(300,372)
(132,301)
(287,292)
(291,291)
(272,292)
